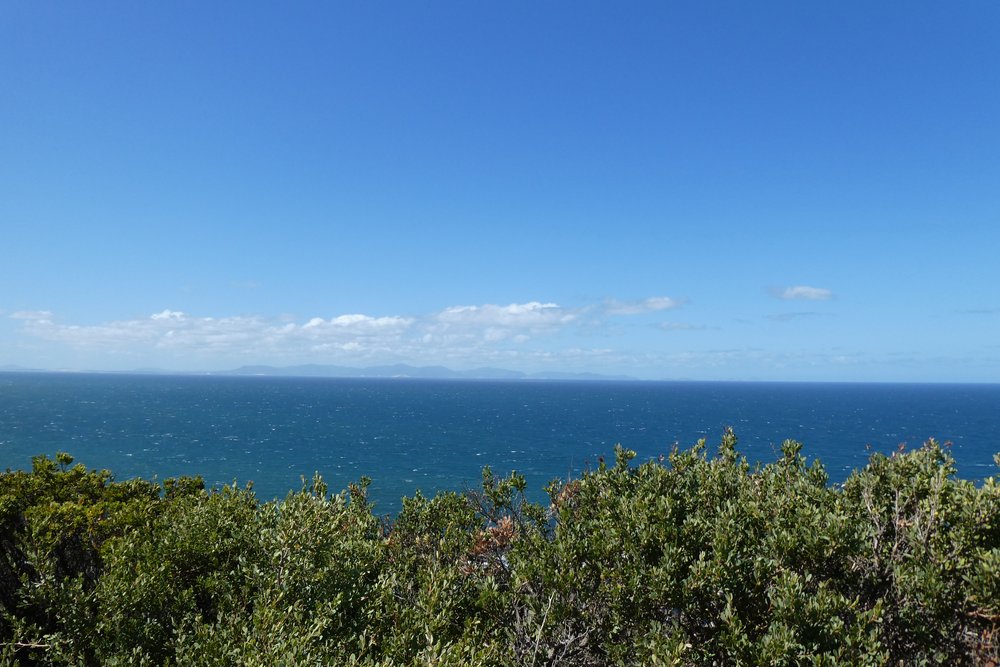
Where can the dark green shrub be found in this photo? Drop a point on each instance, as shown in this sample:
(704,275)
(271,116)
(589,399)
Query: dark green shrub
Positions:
(693,560)
(54,523)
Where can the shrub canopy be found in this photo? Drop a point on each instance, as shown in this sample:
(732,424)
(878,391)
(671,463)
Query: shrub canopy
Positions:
(692,560)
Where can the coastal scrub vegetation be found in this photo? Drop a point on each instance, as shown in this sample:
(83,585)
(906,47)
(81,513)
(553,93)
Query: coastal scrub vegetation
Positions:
(696,559)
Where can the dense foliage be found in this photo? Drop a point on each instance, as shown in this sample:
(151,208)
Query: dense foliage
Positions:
(691,561)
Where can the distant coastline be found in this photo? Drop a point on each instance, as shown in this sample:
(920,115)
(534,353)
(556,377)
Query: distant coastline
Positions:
(409,372)
(421,372)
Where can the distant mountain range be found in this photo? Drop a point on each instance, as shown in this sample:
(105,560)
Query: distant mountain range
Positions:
(407,371)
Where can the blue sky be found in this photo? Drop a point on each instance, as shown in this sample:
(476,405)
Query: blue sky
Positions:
(712,190)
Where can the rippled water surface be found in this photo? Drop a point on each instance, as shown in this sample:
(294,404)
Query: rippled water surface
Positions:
(431,435)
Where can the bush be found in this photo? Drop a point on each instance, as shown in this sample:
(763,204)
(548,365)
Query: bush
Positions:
(691,560)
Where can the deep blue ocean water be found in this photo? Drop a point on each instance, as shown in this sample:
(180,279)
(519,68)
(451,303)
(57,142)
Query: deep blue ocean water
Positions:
(433,435)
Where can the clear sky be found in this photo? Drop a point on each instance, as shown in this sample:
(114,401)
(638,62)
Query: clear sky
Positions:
(705,190)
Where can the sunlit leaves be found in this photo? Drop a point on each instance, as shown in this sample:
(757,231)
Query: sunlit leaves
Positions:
(694,560)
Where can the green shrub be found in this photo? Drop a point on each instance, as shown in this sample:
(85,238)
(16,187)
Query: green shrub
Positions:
(691,560)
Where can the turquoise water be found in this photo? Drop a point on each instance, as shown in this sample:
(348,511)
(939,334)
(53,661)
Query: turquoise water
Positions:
(432,435)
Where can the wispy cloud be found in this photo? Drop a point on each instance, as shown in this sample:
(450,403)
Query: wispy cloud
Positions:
(173,330)
(801,292)
(491,323)
(31,315)
(680,326)
(788,317)
(533,315)
(652,304)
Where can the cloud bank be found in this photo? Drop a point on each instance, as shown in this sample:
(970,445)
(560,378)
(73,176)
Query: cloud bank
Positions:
(484,332)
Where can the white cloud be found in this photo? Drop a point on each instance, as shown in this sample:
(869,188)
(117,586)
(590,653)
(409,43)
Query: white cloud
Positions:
(802,292)
(178,332)
(533,313)
(652,304)
(356,324)
(462,334)
(517,322)
(168,315)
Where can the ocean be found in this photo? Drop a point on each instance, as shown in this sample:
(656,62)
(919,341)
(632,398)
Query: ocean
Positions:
(431,435)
